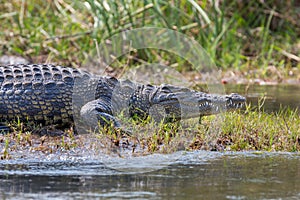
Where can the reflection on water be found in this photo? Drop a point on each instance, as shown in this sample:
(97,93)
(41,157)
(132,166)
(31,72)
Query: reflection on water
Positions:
(275,95)
(197,175)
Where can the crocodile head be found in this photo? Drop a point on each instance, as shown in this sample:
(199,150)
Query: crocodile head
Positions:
(175,103)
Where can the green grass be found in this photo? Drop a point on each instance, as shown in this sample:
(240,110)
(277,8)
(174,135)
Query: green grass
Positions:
(236,35)
(248,130)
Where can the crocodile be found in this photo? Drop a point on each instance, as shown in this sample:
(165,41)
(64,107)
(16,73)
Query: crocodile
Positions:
(50,94)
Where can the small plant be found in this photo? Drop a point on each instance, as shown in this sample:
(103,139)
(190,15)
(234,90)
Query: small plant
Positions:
(5,151)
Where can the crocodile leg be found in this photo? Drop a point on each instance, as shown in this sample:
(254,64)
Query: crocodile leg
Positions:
(96,113)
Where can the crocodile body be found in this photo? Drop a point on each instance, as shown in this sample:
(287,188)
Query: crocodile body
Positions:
(50,94)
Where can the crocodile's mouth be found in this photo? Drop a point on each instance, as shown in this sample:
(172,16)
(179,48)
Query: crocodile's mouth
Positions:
(191,104)
(194,105)
(212,104)
(234,105)
(234,101)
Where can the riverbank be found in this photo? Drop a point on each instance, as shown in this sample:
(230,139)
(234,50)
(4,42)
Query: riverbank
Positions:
(247,130)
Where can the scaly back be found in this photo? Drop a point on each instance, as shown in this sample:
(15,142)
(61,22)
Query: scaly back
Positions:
(37,92)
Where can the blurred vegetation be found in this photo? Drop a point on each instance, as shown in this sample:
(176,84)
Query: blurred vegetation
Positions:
(236,34)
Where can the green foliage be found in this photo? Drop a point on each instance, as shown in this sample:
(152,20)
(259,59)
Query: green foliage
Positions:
(232,32)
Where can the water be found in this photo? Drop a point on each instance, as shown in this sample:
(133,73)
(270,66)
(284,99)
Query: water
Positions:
(195,175)
(184,175)
(276,96)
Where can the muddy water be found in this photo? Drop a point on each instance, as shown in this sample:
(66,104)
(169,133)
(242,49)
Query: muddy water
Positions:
(186,175)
